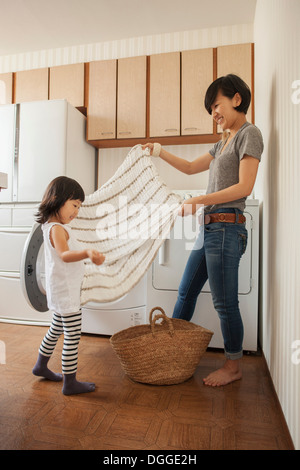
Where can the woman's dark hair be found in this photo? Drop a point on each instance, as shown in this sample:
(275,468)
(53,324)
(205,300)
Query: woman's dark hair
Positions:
(59,191)
(228,86)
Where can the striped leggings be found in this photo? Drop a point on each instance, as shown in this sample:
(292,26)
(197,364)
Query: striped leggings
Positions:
(70,326)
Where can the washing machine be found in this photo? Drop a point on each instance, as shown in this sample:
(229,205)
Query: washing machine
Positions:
(166,271)
(16,222)
(97,318)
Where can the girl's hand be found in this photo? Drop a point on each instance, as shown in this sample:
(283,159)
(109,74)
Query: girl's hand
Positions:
(96,257)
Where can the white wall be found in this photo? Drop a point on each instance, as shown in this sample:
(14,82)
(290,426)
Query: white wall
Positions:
(277,108)
(111,159)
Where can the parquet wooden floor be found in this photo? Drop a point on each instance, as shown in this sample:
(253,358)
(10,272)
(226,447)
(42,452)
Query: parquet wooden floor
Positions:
(124,415)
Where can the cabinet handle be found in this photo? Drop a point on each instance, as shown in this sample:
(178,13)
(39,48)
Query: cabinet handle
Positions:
(105,133)
(169,130)
(124,132)
(191,128)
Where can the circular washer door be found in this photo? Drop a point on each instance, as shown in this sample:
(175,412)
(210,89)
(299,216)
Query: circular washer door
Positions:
(32,270)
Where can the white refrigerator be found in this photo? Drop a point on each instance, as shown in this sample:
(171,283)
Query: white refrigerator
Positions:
(38,141)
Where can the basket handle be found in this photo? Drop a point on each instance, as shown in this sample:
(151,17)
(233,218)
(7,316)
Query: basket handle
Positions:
(153,310)
(157,317)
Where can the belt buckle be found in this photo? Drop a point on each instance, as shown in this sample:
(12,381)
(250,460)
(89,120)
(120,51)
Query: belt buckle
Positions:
(222,217)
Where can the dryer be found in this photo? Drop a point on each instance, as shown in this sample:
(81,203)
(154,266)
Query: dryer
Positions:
(97,318)
(15,227)
(166,271)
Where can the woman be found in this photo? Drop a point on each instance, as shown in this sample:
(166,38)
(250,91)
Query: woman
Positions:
(232,164)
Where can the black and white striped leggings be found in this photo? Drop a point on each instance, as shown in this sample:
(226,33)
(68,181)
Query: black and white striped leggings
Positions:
(70,326)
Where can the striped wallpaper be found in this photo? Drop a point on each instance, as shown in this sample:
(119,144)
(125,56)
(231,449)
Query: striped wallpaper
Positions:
(277,106)
(145,45)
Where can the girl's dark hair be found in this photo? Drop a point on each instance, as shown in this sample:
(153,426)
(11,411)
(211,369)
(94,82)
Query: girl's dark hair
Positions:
(228,86)
(59,191)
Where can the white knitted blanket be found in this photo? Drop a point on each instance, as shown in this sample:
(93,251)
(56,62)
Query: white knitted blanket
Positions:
(127,220)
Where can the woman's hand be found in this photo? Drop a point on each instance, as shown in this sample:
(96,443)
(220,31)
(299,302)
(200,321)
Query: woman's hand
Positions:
(155,148)
(149,146)
(190,206)
(96,257)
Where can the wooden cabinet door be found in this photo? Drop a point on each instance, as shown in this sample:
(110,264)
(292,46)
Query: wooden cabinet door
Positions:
(31,85)
(6,81)
(165,94)
(102,95)
(67,82)
(196,76)
(131,111)
(237,59)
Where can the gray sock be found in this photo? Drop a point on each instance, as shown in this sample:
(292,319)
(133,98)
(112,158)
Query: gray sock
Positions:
(41,369)
(72,386)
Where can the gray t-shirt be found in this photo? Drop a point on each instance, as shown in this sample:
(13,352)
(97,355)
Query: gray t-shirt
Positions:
(224,168)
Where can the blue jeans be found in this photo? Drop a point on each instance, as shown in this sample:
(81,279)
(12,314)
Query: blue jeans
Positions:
(218,261)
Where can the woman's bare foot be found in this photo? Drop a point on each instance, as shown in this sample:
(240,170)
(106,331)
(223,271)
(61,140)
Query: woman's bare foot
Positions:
(225,375)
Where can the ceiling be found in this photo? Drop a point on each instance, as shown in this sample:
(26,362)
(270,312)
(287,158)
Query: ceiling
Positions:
(31,25)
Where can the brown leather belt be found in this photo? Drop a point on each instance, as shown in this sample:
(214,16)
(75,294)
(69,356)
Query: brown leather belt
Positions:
(224,217)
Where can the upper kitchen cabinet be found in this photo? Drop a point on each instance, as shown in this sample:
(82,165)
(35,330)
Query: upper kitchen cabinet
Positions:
(31,85)
(102,96)
(159,97)
(6,87)
(238,59)
(196,76)
(131,109)
(67,82)
(165,95)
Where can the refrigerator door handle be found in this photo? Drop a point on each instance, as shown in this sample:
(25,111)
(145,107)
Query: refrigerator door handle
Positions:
(16,154)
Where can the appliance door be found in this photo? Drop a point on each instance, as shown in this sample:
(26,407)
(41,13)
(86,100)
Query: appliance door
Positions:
(13,306)
(42,147)
(12,241)
(169,265)
(7,147)
(32,272)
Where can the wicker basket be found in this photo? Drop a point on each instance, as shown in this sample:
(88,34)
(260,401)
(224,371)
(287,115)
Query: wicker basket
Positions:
(161,353)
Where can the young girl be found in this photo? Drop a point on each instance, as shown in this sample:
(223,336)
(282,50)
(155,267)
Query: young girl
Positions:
(64,270)
(232,164)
